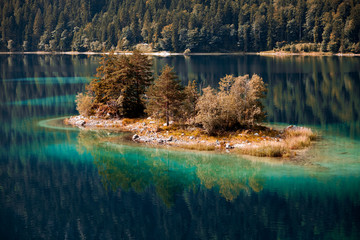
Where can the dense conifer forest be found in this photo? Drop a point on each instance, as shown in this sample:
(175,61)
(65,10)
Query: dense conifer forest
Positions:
(177,25)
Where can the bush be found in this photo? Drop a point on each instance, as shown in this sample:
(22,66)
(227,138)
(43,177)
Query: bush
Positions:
(237,103)
(84,104)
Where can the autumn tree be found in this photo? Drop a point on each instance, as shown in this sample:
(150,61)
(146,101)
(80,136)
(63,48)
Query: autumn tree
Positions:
(189,104)
(237,103)
(120,84)
(165,96)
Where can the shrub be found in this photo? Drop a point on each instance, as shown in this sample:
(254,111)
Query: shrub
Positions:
(237,103)
(84,104)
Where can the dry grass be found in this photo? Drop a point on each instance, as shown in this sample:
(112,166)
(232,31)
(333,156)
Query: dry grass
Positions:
(127,121)
(297,142)
(196,146)
(266,149)
(300,131)
(295,138)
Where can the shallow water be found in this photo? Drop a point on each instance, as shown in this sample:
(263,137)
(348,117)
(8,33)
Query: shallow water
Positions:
(60,182)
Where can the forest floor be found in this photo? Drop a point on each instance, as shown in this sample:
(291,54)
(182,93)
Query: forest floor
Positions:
(259,141)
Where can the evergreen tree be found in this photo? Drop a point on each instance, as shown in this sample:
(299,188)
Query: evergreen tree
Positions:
(165,96)
(191,97)
(212,25)
(120,84)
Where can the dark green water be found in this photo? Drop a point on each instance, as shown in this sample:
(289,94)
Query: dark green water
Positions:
(58,182)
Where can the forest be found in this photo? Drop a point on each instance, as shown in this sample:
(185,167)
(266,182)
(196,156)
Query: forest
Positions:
(197,25)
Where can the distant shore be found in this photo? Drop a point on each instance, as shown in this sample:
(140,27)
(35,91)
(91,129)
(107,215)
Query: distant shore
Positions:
(168,54)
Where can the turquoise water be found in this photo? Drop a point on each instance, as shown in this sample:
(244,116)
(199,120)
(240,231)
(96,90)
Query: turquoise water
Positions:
(60,182)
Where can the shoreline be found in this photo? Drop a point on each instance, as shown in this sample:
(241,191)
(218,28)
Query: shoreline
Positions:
(260,141)
(168,54)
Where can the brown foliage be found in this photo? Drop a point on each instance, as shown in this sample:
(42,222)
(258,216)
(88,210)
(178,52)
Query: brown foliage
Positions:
(84,104)
(120,83)
(237,103)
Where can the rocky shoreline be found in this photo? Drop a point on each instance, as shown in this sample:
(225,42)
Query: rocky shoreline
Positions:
(151,132)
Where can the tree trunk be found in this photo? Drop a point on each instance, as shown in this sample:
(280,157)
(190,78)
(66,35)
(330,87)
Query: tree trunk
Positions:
(167,113)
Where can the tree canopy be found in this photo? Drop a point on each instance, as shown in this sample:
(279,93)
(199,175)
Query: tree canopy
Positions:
(237,103)
(199,25)
(120,84)
(124,87)
(165,96)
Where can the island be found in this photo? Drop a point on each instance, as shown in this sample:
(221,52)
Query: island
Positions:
(125,96)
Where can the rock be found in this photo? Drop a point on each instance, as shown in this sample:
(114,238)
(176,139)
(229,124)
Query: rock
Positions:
(217,142)
(239,145)
(135,137)
(291,127)
(171,122)
(160,141)
(170,139)
(182,134)
(256,134)
(152,122)
(80,122)
(228,146)
(191,137)
(149,118)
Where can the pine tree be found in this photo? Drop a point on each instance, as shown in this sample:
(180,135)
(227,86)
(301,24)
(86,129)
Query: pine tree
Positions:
(191,97)
(165,96)
(120,84)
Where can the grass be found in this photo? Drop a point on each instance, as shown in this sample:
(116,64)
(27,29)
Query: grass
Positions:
(196,146)
(298,142)
(300,131)
(294,138)
(266,149)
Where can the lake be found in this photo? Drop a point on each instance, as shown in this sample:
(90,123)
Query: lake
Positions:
(59,182)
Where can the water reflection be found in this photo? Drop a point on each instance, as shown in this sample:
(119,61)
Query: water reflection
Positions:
(302,90)
(171,172)
(59,183)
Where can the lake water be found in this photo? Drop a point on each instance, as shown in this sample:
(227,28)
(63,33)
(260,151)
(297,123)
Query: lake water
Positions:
(57,182)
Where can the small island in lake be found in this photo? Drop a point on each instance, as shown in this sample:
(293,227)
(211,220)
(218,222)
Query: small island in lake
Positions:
(125,96)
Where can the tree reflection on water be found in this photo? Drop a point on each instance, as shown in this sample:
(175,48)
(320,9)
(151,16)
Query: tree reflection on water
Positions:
(170,172)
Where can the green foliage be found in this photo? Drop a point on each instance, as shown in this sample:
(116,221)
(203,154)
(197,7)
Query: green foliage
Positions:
(165,96)
(237,103)
(120,84)
(200,26)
